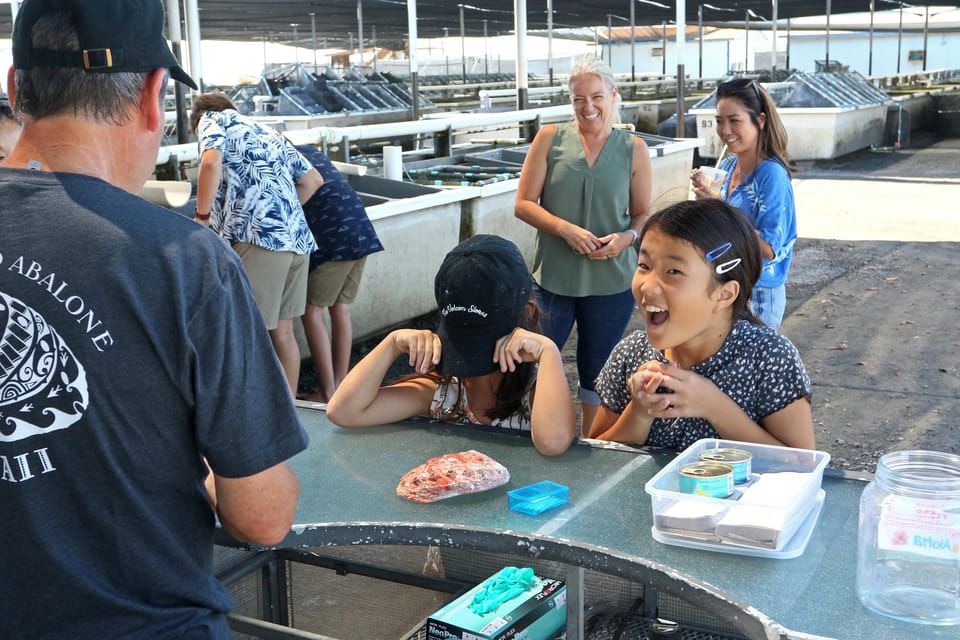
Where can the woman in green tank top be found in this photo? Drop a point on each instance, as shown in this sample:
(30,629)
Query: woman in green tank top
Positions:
(586,188)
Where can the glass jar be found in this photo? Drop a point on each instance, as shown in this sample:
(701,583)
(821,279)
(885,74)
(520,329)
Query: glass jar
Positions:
(908,556)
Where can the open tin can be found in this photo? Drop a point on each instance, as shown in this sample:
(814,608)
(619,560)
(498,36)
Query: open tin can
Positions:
(739,459)
(711,479)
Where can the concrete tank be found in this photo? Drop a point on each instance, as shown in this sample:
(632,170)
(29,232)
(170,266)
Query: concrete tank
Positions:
(490,209)
(825,114)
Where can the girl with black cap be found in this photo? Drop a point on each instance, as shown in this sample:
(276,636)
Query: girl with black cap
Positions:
(485,365)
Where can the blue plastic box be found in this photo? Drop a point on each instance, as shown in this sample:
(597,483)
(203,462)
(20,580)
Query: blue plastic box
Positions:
(536,498)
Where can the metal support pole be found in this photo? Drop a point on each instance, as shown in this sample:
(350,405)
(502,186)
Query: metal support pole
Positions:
(550,40)
(828,36)
(700,39)
(486,50)
(412,55)
(193,42)
(296,47)
(313,38)
(610,40)
(926,29)
(663,40)
(463,47)
(173,26)
(575,595)
(788,44)
(870,53)
(899,38)
(520,26)
(633,42)
(681,102)
(746,41)
(360,29)
(773,40)
(681,38)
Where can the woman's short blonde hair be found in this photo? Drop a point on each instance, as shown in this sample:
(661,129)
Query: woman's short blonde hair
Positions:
(599,68)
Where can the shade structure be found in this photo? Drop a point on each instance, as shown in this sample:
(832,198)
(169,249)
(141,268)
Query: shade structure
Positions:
(337,23)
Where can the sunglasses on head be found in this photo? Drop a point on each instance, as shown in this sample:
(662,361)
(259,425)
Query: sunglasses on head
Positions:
(740,84)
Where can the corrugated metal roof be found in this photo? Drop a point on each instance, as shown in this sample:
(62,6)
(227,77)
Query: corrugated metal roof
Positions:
(336,21)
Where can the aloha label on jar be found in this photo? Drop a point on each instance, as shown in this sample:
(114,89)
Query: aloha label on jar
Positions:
(919,527)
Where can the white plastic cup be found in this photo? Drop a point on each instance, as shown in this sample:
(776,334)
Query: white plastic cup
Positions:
(712,179)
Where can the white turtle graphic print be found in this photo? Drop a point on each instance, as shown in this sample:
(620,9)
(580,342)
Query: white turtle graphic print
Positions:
(43,387)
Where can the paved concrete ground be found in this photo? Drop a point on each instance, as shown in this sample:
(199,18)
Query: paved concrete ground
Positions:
(874,300)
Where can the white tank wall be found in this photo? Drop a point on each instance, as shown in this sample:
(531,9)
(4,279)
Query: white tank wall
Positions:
(716,58)
(398,281)
(805,48)
(943,51)
(813,134)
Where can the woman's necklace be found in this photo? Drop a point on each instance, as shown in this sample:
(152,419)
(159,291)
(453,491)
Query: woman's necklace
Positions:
(740,172)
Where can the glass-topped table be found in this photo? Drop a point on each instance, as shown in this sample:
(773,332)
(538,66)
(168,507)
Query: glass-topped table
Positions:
(348,480)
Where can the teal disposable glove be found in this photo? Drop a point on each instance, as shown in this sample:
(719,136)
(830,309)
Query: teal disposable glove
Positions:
(506,585)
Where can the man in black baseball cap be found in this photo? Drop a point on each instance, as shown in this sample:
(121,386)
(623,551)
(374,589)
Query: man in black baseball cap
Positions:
(113,36)
(133,359)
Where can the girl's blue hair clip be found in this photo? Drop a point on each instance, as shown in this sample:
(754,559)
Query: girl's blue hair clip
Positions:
(717,252)
(713,254)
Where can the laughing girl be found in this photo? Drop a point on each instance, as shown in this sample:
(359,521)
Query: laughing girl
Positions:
(705,367)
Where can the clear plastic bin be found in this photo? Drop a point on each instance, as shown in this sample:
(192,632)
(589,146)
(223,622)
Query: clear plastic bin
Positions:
(763,514)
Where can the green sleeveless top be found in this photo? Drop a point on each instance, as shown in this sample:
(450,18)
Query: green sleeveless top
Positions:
(596,198)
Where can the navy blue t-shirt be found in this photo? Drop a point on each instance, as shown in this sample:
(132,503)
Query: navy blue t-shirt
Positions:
(130,348)
(336,216)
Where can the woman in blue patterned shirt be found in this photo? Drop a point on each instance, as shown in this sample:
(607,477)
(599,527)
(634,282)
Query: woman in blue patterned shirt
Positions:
(758,183)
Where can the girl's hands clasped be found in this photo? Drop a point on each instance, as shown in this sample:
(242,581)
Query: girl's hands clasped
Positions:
(683,393)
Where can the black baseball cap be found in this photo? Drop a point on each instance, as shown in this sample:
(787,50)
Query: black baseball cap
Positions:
(115,36)
(481,289)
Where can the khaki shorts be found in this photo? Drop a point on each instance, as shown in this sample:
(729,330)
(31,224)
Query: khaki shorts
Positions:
(335,282)
(278,280)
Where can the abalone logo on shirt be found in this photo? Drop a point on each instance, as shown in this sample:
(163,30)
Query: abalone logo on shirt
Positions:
(43,387)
